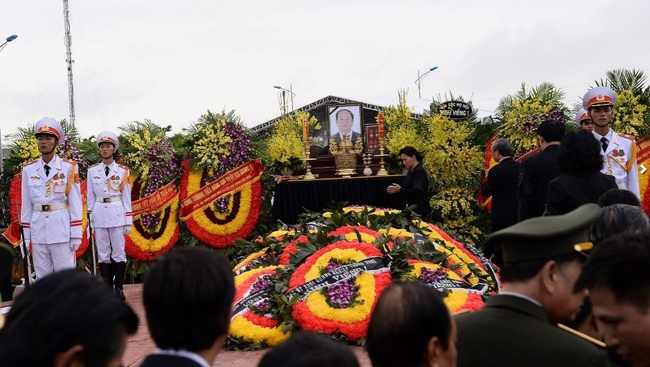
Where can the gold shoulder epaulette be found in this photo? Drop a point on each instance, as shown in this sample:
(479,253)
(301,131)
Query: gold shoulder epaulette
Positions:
(123,166)
(30,162)
(93,165)
(631,137)
(582,336)
(70,161)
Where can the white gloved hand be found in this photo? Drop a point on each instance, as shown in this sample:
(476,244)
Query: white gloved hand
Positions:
(75,243)
(127,230)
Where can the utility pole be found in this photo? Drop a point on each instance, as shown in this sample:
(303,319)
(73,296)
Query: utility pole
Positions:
(69,61)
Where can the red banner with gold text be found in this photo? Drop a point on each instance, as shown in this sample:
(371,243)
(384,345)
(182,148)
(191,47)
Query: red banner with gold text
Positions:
(225,184)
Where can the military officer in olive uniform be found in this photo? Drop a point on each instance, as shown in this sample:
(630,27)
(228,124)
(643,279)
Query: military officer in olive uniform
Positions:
(618,150)
(543,257)
(109,204)
(51,203)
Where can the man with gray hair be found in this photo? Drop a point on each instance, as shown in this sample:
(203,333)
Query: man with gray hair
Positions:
(501,184)
(617,219)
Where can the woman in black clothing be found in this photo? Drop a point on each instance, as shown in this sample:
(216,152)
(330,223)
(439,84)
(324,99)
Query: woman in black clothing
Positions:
(581,181)
(415,188)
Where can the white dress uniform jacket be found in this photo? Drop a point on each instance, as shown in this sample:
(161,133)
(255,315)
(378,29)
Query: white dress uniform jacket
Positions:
(109,197)
(619,160)
(51,209)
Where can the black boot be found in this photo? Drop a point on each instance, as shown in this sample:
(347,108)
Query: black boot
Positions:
(120,272)
(106,271)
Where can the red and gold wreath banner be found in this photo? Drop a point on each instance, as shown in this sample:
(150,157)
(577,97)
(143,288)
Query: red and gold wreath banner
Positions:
(212,226)
(458,294)
(315,311)
(469,259)
(252,287)
(142,243)
(12,234)
(643,162)
(156,201)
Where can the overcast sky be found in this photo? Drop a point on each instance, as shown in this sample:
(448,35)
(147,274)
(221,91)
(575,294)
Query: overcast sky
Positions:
(171,60)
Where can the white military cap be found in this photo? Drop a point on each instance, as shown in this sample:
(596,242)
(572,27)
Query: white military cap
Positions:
(599,96)
(108,137)
(50,127)
(582,115)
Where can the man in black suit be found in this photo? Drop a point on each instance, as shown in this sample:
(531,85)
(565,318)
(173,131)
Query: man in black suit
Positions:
(187,297)
(517,327)
(501,184)
(539,169)
(345,122)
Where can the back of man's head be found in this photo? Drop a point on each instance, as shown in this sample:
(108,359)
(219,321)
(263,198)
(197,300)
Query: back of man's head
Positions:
(309,349)
(621,265)
(551,130)
(618,196)
(405,319)
(619,218)
(66,311)
(188,296)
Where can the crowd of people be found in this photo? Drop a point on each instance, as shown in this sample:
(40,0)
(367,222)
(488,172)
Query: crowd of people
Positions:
(569,235)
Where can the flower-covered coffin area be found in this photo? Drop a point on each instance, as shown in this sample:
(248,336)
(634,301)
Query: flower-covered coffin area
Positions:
(326,274)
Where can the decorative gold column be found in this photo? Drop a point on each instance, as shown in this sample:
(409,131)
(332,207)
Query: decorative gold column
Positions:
(308,174)
(382,171)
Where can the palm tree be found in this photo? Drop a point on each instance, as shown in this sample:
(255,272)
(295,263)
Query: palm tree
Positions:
(546,92)
(625,79)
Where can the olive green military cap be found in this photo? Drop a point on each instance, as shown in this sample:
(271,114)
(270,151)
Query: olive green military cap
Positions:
(548,237)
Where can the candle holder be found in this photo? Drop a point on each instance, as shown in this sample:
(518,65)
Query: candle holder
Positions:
(308,175)
(367,160)
(382,171)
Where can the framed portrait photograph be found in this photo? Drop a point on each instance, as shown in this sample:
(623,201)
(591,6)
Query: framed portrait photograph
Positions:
(344,120)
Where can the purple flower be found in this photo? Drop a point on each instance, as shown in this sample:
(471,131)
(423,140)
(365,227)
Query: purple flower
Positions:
(428,275)
(261,283)
(341,294)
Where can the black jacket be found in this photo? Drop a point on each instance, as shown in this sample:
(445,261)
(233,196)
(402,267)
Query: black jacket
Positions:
(568,191)
(415,190)
(501,184)
(536,172)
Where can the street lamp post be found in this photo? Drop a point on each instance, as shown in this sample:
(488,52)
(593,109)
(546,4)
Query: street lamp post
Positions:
(420,77)
(284,101)
(7,40)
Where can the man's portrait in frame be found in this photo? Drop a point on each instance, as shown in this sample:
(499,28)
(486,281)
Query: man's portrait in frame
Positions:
(345,121)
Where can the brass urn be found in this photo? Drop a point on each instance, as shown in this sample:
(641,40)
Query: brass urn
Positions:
(345,156)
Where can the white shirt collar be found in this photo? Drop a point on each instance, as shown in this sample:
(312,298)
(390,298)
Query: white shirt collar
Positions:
(503,158)
(609,136)
(185,354)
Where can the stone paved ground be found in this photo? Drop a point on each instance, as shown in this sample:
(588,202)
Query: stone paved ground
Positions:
(141,344)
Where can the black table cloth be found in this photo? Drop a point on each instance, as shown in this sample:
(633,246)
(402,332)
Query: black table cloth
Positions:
(293,197)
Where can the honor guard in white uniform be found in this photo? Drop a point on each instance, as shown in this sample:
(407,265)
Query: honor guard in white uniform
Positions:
(51,203)
(583,120)
(109,204)
(618,150)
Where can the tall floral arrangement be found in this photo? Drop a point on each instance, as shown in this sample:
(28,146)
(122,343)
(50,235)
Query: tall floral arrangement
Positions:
(286,145)
(219,142)
(454,167)
(523,112)
(402,129)
(218,145)
(629,115)
(154,165)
